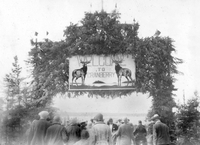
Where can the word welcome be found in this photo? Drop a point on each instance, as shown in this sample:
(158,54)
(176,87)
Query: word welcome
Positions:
(98,60)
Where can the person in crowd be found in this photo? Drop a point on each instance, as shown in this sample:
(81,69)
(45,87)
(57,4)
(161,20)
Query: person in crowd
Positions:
(131,124)
(38,129)
(64,121)
(89,129)
(56,133)
(113,126)
(150,133)
(89,125)
(84,138)
(119,122)
(92,120)
(140,134)
(124,135)
(101,132)
(73,132)
(83,125)
(160,132)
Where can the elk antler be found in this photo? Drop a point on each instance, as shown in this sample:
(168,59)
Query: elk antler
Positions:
(117,58)
(86,60)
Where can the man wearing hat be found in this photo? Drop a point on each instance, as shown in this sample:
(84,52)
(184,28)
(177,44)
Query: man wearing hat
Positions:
(101,132)
(160,132)
(38,129)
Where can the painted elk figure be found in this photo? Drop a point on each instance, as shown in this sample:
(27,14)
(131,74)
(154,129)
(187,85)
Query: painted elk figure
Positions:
(80,73)
(120,71)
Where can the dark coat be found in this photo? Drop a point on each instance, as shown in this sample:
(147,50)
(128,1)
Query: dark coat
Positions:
(114,127)
(74,133)
(140,132)
(37,132)
(56,135)
(161,134)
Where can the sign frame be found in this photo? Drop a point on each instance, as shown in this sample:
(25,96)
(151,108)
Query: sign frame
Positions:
(100,72)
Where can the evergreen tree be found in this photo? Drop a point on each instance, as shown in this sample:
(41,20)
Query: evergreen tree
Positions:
(187,121)
(21,108)
(10,126)
(12,82)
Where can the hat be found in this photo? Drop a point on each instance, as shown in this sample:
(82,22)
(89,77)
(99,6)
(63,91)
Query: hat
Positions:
(43,114)
(156,116)
(98,117)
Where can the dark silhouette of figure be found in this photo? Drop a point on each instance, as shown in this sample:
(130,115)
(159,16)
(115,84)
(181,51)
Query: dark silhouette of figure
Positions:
(160,132)
(73,132)
(140,134)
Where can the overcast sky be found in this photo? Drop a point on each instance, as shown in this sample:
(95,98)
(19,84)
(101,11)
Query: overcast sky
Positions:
(178,19)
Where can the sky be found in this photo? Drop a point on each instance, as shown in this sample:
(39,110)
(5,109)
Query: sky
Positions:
(178,19)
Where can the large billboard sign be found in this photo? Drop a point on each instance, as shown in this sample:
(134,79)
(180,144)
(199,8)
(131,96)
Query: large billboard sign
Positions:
(99,72)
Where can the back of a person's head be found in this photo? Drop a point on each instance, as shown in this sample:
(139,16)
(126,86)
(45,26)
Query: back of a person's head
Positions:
(140,122)
(84,134)
(126,120)
(44,114)
(57,119)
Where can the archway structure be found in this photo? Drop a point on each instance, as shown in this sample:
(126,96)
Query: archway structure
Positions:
(101,33)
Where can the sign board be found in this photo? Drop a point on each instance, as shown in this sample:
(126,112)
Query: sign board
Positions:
(99,72)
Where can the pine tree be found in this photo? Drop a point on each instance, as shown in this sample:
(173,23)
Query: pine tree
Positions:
(12,82)
(20,107)
(11,121)
(187,122)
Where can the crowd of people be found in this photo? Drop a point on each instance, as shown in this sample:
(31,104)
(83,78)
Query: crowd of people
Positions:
(96,132)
